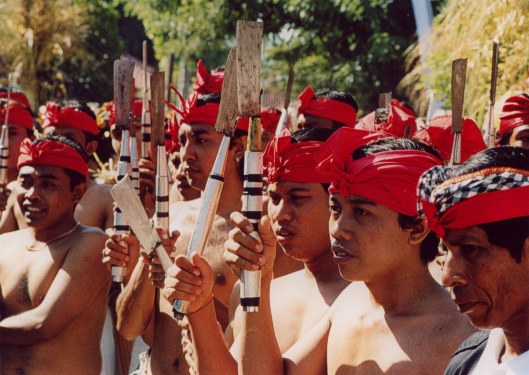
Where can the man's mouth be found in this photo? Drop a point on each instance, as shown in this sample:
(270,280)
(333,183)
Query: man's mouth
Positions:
(340,255)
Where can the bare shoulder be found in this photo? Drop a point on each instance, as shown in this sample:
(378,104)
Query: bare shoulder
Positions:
(88,237)
(102,191)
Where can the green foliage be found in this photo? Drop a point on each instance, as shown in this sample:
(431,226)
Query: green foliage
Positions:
(349,45)
(466,29)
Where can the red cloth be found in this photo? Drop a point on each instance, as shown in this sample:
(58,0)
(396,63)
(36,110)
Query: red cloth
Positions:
(205,114)
(53,153)
(287,161)
(481,208)
(207,82)
(326,108)
(69,117)
(515,112)
(18,115)
(439,135)
(269,119)
(388,178)
(18,97)
(400,117)
(172,144)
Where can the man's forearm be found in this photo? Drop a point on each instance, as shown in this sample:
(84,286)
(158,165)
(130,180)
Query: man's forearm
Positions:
(135,304)
(213,357)
(259,351)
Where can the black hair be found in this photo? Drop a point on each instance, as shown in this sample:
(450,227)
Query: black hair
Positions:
(511,233)
(429,246)
(338,96)
(76,178)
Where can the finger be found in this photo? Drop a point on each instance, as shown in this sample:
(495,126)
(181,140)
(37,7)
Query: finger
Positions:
(117,256)
(241,222)
(265,231)
(244,253)
(185,264)
(235,261)
(246,240)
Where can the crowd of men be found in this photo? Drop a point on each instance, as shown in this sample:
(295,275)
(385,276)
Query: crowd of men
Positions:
(377,255)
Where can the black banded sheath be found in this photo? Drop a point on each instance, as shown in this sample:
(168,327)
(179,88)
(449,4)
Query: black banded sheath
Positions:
(4,153)
(162,189)
(133,147)
(120,225)
(4,143)
(210,202)
(252,205)
(145,113)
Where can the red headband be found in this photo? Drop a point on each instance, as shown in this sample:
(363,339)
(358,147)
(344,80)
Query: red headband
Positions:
(400,118)
(388,178)
(326,108)
(207,82)
(485,196)
(205,114)
(69,117)
(18,115)
(18,97)
(53,153)
(287,161)
(269,119)
(515,112)
(439,135)
(173,143)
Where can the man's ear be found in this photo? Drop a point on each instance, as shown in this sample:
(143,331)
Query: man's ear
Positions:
(419,232)
(240,147)
(91,147)
(78,192)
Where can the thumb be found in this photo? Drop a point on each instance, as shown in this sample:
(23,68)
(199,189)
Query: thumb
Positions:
(265,231)
(203,266)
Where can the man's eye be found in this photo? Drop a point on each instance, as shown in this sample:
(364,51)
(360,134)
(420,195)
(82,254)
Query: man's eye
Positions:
(360,212)
(202,140)
(334,208)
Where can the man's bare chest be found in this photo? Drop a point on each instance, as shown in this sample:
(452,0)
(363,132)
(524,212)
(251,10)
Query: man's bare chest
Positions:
(25,277)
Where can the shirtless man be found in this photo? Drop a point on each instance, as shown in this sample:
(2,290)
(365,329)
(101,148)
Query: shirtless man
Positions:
(78,124)
(480,211)
(326,109)
(383,322)
(514,122)
(53,286)
(140,310)
(298,208)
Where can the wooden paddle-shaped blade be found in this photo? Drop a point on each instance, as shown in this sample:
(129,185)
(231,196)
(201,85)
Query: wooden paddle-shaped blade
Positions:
(459,74)
(227,117)
(158,108)
(123,70)
(249,38)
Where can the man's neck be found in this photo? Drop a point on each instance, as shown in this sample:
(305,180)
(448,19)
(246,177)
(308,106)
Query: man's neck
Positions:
(516,336)
(322,268)
(51,232)
(404,290)
(230,198)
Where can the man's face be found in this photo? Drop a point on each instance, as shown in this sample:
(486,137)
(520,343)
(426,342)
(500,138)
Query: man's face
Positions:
(16,135)
(309,122)
(180,180)
(299,215)
(367,240)
(199,144)
(44,195)
(520,136)
(487,283)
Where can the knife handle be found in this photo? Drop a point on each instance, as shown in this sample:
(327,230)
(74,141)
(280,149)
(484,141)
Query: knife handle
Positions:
(165,259)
